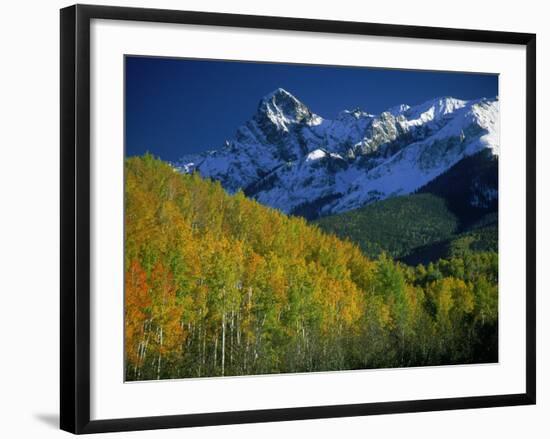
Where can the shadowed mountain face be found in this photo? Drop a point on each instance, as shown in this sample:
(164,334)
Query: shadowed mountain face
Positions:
(290,158)
(453,214)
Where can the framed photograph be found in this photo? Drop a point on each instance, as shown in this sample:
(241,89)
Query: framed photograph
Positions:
(268,218)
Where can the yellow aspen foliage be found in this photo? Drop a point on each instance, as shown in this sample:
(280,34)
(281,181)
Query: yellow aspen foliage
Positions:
(217,284)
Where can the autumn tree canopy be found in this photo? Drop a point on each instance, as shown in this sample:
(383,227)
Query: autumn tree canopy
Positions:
(217,284)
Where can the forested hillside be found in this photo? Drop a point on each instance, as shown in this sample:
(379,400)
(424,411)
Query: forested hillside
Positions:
(397,225)
(218,284)
(481,236)
(455,213)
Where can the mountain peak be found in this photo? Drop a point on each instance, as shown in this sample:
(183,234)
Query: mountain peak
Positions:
(283,109)
(288,158)
(278,93)
(435,108)
(280,99)
(354,114)
(398,109)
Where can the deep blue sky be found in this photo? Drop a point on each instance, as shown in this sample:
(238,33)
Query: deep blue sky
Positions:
(179,106)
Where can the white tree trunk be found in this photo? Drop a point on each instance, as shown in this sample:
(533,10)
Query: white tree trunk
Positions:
(223,343)
(160,355)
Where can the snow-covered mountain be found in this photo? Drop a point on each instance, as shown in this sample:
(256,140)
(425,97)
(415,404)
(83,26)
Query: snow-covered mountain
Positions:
(292,159)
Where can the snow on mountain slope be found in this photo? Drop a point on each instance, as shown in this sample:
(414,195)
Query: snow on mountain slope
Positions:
(289,158)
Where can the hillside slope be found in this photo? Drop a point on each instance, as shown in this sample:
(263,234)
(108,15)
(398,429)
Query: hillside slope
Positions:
(470,188)
(397,225)
(454,213)
(475,239)
(218,284)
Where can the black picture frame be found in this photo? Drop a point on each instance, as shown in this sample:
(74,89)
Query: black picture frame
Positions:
(75,217)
